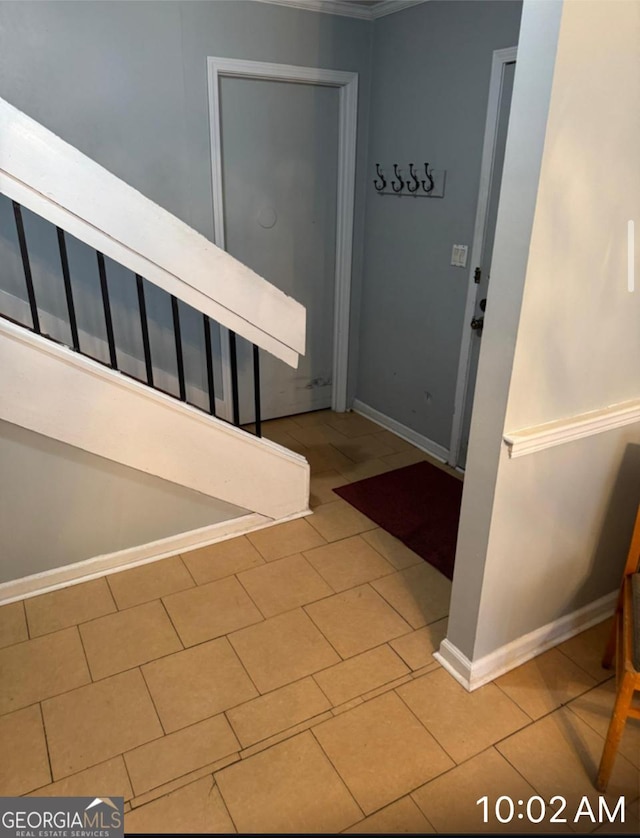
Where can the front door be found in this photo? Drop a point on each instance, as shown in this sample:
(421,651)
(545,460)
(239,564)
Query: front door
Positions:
(487,253)
(280,170)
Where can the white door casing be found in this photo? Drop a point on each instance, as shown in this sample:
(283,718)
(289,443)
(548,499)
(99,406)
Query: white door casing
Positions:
(347,85)
(501,58)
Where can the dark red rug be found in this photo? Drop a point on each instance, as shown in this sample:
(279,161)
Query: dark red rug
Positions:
(419,504)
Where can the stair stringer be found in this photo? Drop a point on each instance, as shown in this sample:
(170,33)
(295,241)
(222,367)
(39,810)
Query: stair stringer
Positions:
(54,391)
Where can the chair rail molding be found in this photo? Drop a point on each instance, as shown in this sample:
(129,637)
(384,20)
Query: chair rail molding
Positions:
(44,173)
(550,434)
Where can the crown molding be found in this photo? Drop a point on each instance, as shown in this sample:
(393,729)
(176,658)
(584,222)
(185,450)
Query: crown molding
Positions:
(329,7)
(388,7)
(339,7)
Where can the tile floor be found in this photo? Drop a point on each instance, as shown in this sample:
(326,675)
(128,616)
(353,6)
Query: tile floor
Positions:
(284,682)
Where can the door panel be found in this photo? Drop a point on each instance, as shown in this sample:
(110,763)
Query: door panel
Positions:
(487,250)
(279,165)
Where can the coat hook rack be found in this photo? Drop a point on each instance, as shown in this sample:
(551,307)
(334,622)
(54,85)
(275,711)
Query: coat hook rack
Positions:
(413,185)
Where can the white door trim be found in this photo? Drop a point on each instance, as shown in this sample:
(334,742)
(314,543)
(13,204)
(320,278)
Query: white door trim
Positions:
(500,58)
(347,84)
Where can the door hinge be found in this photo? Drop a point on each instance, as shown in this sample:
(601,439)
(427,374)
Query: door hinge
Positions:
(476,275)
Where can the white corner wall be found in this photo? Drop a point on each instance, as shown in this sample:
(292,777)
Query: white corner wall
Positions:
(542,538)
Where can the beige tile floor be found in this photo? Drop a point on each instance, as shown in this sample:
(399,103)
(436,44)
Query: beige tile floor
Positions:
(284,682)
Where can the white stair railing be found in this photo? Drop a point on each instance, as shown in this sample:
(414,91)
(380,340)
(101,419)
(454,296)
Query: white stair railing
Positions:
(53,179)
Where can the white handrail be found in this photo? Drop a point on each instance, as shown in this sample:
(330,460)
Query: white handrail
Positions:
(55,180)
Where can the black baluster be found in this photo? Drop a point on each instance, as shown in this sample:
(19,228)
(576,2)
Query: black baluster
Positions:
(22,240)
(108,322)
(233,357)
(179,359)
(144,326)
(209,356)
(64,261)
(256,388)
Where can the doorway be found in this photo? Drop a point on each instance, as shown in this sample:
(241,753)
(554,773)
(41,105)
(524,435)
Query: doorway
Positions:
(283,166)
(499,106)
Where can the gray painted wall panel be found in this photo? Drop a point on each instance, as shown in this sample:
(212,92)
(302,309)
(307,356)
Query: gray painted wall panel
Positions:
(431,81)
(126,83)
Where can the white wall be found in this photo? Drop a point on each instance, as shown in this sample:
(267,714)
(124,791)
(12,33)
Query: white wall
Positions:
(61,505)
(544,535)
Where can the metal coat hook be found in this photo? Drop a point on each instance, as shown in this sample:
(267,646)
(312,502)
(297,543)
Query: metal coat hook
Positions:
(429,178)
(416,183)
(382,179)
(400,180)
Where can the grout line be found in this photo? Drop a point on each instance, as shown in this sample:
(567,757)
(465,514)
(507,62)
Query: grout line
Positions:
(153,703)
(575,663)
(318,685)
(513,701)
(183,780)
(304,608)
(342,780)
(248,593)
(186,567)
(173,625)
(92,680)
(284,735)
(425,670)
(126,769)
(412,628)
(227,637)
(515,768)
(30,636)
(111,593)
(26,621)
(388,687)
(347,705)
(46,742)
(430,732)
(224,803)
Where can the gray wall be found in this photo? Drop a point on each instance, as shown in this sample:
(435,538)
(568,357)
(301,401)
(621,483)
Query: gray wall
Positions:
(125,82)
(546,534)
(431,66)
(61,505)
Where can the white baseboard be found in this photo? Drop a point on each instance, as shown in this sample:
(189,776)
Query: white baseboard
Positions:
(422,442)
(474,674)
(84,571)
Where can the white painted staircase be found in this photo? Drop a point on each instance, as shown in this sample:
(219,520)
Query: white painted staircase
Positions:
(56,391)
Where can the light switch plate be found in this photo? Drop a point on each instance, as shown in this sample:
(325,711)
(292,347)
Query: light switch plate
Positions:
(459,255)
